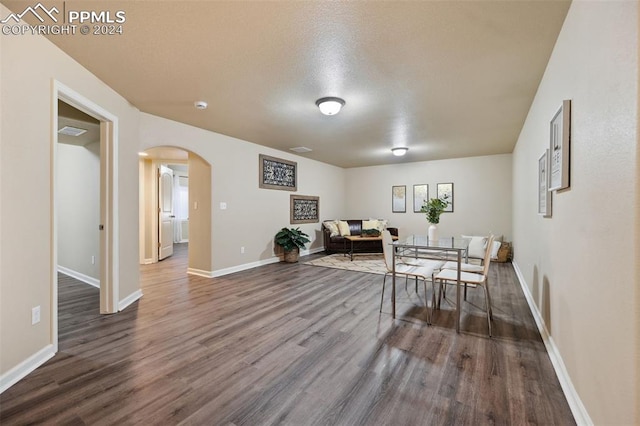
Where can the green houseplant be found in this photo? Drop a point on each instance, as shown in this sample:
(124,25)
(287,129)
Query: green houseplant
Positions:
(291,240)
(434,208)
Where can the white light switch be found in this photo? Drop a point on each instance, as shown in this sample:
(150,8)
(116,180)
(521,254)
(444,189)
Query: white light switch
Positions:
(223,206)
(35,315)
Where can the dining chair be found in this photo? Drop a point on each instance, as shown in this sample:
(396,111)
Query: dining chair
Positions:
(447,276)
(423,272)
(470,267)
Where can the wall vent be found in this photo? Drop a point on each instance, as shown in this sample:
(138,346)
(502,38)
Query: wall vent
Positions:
(301,149)
(72,131)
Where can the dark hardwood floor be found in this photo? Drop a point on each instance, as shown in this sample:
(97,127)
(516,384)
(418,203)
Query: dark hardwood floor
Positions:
(288,344)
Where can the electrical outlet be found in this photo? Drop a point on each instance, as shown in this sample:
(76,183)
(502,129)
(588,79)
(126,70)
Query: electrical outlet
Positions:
(35,315)
(93,260)
(241,250)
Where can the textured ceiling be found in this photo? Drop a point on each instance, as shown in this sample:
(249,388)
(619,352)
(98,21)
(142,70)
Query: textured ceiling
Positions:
(444,78)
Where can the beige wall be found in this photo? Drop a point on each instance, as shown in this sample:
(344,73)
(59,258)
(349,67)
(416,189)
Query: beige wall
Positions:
(579,265)
(28,64)
(200,244)
(253,215)
(78,203)
(482,194)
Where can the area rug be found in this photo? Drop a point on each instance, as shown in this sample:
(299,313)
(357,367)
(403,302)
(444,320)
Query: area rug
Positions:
(370,263)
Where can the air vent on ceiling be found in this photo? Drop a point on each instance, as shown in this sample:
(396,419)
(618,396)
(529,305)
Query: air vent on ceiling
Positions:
(72,131)
(301,149)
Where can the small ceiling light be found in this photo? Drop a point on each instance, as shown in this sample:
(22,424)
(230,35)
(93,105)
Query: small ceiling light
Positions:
(143,154)
(200,105)
(330,105)
(399,152)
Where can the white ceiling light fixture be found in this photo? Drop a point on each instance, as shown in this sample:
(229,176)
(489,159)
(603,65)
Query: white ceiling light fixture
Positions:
(200,105)
(330,105)
(143,154)
(400,151)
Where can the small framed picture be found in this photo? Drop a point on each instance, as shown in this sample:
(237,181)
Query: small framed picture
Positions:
(276,173)
(445,192)
(544,195)
(399,199)
(304,208)
(420,196)
(559,148)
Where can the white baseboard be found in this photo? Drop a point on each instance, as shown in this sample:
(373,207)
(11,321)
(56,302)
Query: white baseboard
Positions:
(80,276)
(147,261)
(245,266)
(200,272)
(129,300)
(575,403)
(21,370)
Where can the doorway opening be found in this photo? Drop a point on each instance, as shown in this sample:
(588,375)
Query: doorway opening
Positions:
(99,261)
(175,207)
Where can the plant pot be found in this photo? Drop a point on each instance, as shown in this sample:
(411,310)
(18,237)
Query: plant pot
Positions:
(292,255)
(433,232)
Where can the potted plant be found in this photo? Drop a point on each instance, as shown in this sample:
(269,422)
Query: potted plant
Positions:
(434,208)
(291,240)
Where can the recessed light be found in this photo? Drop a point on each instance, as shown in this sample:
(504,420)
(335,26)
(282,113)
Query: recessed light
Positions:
(200,105)
(330,105)
(400,151)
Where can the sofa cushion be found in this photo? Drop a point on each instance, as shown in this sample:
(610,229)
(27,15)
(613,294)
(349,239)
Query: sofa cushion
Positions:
(368,225)
(332,226)
(343,227)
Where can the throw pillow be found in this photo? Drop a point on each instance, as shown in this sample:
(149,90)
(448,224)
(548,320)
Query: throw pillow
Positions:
(477,246)
(332,226)
(368,225)
(343,227)
(382,224)
(494,249)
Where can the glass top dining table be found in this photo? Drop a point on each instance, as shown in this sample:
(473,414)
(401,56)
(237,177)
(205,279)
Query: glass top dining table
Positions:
(421,246)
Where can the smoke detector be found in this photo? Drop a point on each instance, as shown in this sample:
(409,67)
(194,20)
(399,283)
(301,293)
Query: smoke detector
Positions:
(200,105)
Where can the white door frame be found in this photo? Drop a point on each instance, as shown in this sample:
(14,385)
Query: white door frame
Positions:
(109,264)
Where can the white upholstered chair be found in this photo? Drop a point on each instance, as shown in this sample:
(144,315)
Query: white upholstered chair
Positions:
(450,276)
(423,272)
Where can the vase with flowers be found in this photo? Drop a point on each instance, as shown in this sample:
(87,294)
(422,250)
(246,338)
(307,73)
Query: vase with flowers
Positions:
(434,208)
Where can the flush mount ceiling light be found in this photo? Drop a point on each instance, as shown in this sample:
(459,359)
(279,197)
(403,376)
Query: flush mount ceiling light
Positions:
(200,105)
(330,105)
(399,152)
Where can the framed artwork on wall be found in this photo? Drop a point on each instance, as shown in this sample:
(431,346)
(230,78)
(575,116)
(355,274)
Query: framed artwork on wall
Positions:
(399,199)
(445,192)
(304,208)
(276,173)
(420,196)
(559,148)
(544,194)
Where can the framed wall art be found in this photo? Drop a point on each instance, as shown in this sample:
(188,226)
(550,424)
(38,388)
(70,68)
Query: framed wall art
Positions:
(445,192)
(276,173)
(559,148)
(399,199)
(304,208)
(420,196)
(544,195)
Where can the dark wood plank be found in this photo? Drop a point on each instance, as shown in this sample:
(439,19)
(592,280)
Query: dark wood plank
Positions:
(288,344)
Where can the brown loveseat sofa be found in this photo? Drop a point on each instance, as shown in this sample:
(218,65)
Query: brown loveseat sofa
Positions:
(338,244)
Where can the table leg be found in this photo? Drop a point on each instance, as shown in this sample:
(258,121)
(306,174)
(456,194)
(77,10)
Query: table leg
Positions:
(393,281)
(352,250)
(458,294)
